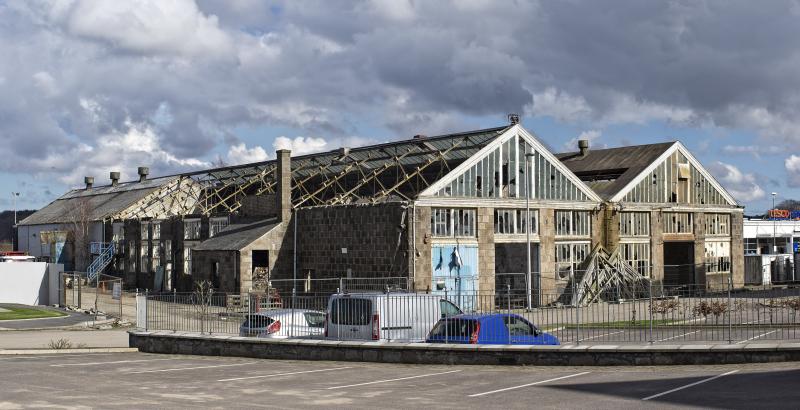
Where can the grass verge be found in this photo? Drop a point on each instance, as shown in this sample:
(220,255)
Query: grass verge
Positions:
(16,313)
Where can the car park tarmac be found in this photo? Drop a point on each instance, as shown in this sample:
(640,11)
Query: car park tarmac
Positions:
(141,380)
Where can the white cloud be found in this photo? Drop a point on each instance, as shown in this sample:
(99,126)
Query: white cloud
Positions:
(792,165)
(742,186)
(300,145)
(559,105)
(46,83)
(240,154)
(755,150)
(590,135)
(119,150)
(149,26)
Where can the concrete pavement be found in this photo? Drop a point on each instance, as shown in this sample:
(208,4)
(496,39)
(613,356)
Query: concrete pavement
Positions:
(40,339)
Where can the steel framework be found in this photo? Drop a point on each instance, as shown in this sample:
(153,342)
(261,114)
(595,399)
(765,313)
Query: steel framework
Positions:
(393,171)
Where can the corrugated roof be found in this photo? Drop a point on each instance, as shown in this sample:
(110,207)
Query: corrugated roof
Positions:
(607,171)
(102,202)
(237,236)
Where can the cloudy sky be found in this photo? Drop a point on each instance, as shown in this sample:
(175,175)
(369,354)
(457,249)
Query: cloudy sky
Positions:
(87,87)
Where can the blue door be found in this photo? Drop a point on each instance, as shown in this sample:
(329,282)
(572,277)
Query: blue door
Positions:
(455,273)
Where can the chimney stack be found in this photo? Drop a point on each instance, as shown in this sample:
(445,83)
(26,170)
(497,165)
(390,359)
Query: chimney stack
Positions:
(143,171)
(283,174)
(114,175)
(89,182)
(583,147)
(513,118)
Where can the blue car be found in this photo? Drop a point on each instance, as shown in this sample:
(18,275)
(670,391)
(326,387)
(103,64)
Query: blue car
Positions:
(498,328)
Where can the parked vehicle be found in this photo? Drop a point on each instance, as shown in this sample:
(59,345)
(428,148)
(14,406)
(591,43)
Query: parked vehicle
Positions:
(385,316)
(283,323)
(497,328)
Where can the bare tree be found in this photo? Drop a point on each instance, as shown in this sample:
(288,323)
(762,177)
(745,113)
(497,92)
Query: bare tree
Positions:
(78,232)
(203,293)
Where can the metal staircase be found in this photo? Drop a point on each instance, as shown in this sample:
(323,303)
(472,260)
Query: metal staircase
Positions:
(105,253)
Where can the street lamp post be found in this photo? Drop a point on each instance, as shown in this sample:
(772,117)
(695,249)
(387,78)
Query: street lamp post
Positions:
(774,227)
(528,228)
(14,196)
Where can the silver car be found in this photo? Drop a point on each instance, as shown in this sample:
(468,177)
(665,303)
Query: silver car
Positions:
(283,323)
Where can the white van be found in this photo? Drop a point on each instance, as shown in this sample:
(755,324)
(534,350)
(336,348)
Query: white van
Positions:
(392,316)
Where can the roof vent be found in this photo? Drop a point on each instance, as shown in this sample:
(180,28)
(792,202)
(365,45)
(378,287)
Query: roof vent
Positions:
(344,151)
(143,171)
(420,136)
(89,182)
(114,175)
(583,147)
(513,118)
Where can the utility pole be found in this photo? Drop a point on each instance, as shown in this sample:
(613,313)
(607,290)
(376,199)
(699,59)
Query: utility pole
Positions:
(14,233)
(528,228)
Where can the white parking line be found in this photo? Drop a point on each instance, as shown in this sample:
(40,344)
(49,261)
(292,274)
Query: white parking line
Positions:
(527,385)
(690,385)
(392,380)
(604,334)
(283,374)
(753,321)
(756,337)
(190,368)
(53,356)
(114,362)
(678,336)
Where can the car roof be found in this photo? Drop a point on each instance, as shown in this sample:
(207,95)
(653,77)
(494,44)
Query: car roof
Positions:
(481,316)
(281,312)
(379,294)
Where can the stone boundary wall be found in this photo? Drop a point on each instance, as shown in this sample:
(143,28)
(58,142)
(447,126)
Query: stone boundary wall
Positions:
(424,353)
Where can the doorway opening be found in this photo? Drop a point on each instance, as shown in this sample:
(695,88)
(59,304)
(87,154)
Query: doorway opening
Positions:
(679,268)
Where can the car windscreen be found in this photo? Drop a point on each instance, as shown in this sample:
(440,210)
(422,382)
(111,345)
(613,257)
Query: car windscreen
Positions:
(254,321)
(454,328)
(315,319)
(346,311)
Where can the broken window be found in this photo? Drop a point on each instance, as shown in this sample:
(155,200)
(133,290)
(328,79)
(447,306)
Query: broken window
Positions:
(191,229)
(446,222)
(572,223)
(677,222)
(569,257)
(513,221)
(215,225)
(638,256)
(634,224)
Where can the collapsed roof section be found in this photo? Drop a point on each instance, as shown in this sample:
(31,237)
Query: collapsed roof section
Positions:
(95,204)
(391,171)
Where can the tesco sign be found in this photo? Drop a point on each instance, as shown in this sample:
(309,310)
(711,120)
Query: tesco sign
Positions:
(783,214)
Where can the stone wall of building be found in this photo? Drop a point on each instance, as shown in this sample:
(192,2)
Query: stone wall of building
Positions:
(355,241)
(279,243)
(547,253)
(657,247)
(699,230)
(217,267)
(486,251)
(737,249)
(422,256)
(259,205)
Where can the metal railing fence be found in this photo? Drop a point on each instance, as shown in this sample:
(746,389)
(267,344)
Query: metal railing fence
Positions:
(660,314)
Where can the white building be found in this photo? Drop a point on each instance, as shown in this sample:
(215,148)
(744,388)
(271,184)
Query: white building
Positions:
(771,247)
